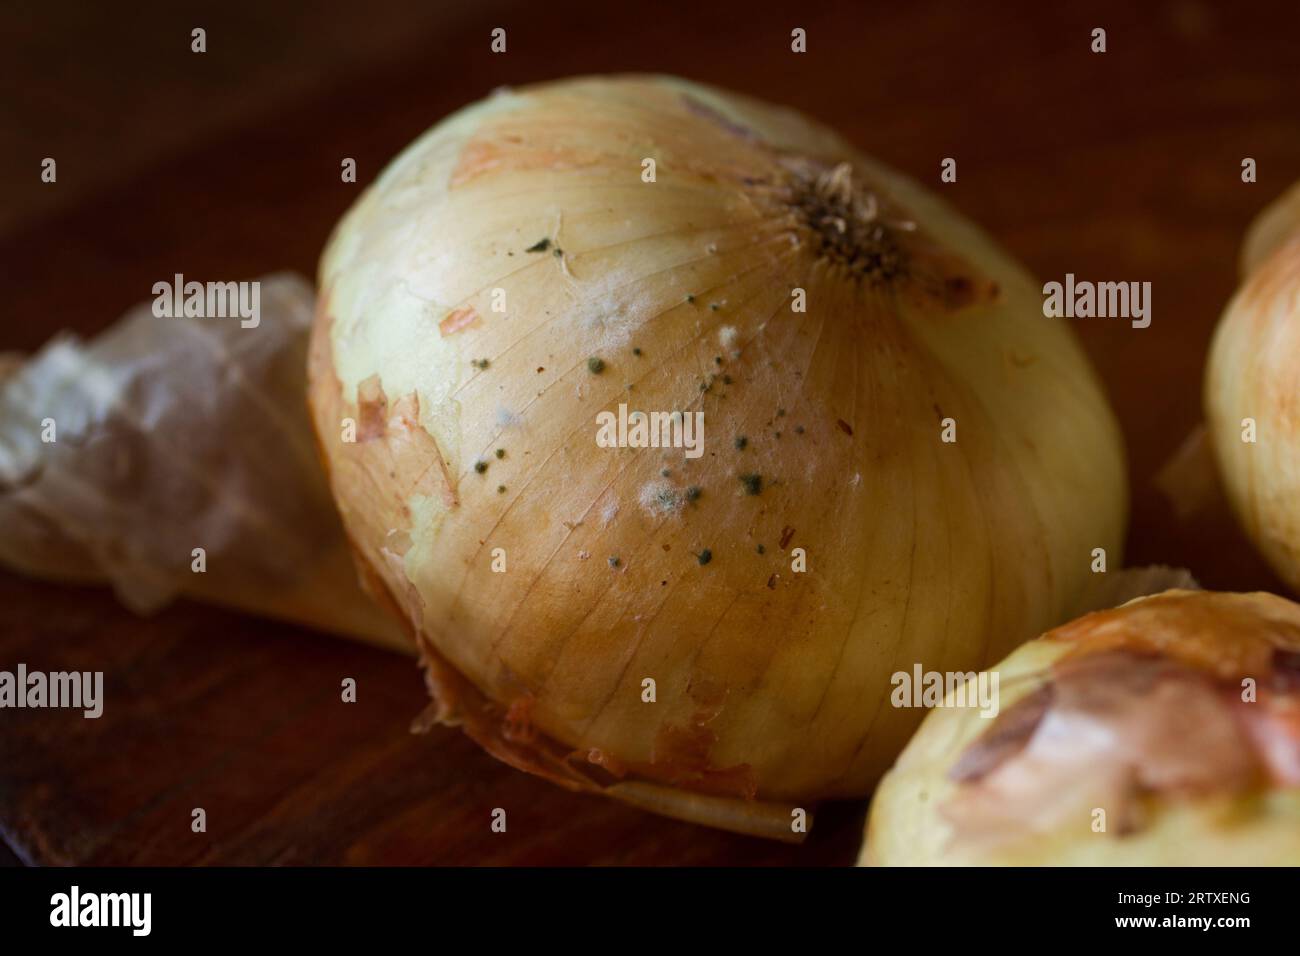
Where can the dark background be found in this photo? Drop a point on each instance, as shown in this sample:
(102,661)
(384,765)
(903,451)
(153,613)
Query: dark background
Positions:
(1122,166)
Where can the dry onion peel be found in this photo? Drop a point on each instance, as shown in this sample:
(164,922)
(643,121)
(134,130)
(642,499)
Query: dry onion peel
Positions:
(176,434)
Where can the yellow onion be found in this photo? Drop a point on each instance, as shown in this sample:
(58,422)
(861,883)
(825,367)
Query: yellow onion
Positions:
(651,629)
(1163,732)
(1252,389)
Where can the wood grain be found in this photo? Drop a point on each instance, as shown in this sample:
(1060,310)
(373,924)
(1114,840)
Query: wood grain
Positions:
(1119,166)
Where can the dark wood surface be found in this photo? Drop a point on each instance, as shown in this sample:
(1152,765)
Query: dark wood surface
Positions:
(1122,166)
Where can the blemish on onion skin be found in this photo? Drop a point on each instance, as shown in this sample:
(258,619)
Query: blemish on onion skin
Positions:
(704,557)
(480,466)
(458,321)
(741,442)
(693,493)
(541,245)
(614,561)
(713,116)
(480,364)
(372,409)
(753,484)
(517,726)
(786,534)
(844,426)
(595,365)
(658,498)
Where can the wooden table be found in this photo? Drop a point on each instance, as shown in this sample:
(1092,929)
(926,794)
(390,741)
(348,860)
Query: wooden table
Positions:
(1122,166)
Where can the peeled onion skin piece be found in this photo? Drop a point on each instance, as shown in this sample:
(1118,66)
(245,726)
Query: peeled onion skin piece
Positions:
(771,685)
(1254,373)
(1136,711)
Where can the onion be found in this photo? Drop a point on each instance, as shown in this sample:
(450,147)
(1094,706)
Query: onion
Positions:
(1252,389)
(709,637)
(1164,732)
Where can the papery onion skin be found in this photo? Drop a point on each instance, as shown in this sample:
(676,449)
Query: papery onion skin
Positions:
(1254,373)
(1251,819)
(770,683)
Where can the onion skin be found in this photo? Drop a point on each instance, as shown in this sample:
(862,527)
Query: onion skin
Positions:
(772,685)
(1245,820)
(1254,372)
